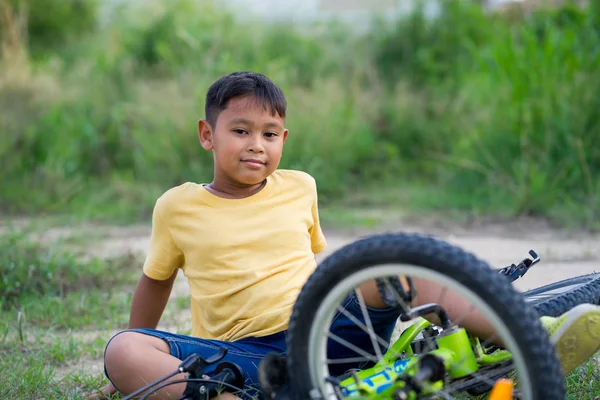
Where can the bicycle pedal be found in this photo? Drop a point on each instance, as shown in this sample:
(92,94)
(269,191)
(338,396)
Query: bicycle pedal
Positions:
(503,390)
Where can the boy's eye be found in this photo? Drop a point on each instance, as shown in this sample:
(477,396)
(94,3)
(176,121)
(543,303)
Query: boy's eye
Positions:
(270,134)
(240,131)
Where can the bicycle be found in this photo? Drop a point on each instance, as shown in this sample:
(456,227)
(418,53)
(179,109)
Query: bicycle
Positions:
(426,359)
(457,361)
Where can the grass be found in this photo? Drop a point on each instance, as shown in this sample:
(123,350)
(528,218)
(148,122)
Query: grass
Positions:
(50,298)
(584,382)
(54,325)
(30,370)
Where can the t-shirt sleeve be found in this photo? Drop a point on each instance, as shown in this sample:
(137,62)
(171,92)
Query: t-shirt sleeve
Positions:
(164,257)
(318,241)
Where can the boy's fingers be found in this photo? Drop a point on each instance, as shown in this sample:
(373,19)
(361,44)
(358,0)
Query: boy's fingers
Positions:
(96,396)
(103,392)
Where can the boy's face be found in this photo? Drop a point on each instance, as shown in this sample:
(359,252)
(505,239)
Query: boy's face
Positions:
(247,142)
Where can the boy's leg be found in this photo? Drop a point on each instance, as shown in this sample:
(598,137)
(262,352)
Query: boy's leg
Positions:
(134,358)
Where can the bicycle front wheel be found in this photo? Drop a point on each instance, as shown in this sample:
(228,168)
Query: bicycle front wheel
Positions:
(419,257)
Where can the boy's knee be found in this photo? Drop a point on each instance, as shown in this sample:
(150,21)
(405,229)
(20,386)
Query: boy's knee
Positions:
(118,350)
(125,347)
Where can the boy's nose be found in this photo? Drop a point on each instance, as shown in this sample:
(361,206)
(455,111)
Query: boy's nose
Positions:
(256,146)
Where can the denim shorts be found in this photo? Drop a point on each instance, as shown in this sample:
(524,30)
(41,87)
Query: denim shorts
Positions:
(248,352)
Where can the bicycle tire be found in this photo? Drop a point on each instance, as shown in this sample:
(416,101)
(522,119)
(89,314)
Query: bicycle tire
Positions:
(577,280)
(428,252)
(588,293)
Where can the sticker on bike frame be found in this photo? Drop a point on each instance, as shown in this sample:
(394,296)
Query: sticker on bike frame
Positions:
(380,380)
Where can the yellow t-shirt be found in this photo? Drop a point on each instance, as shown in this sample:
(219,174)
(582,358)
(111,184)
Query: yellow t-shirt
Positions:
(245,259)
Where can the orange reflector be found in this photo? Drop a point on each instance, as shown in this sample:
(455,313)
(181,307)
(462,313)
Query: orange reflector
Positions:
(503,390)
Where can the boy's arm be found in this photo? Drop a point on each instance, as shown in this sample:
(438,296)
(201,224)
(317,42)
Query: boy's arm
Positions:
(149,301)
(318,241)
(160,269)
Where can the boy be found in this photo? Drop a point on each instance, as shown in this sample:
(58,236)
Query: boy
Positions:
(246,243)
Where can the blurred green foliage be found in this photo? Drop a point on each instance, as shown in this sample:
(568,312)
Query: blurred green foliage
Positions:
(52,23)
(497,112)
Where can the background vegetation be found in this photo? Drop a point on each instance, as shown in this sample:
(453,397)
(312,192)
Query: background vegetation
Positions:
(492,113)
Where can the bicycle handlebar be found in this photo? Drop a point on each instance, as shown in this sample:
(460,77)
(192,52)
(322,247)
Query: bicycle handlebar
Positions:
(228,377)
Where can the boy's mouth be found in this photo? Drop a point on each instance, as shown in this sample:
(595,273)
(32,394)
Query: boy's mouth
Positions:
(254,163)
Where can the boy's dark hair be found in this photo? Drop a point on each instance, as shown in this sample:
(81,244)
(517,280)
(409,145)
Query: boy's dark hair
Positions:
(240,84)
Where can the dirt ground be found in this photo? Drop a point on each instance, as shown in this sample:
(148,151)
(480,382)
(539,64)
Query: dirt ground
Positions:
(564,254)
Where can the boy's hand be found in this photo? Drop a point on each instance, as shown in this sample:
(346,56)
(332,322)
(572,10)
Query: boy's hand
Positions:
(105,392)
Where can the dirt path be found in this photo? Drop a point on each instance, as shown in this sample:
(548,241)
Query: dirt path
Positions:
(564,255)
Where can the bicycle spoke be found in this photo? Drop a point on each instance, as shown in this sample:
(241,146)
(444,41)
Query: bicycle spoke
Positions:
(399,300)
(346,360)
(431,341)
(483,378)
(489,381)
(352,347)
(352,318)
(371,331)
(405,306)
(443,295)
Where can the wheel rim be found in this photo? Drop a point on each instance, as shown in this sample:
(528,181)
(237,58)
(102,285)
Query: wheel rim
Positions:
(320,327)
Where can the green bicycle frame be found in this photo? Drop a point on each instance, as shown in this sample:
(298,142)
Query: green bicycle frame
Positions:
(461,355)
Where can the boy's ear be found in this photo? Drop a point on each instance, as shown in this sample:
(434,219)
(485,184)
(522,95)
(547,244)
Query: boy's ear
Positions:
(205,134)
(285,135)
